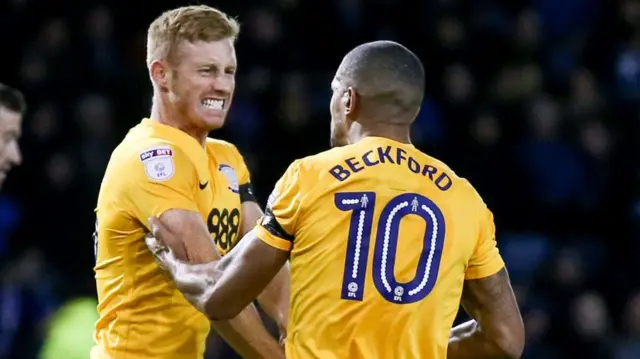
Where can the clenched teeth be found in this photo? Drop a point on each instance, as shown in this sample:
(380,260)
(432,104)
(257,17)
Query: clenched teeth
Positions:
(213,104)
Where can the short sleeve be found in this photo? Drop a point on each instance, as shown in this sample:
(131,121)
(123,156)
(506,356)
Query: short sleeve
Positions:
(486,259)
(278,225)
(244,179)
(244,176)
(162,178)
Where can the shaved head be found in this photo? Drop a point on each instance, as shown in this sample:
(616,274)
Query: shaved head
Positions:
(388,80)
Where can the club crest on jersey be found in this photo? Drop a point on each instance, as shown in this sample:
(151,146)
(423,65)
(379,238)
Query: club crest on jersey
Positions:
(230,174)
(158,163)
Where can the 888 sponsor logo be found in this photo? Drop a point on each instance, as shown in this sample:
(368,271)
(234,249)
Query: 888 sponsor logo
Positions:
(224,226)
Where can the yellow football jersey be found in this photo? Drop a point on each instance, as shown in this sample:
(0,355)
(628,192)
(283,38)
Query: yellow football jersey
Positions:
(156,168)
(381,238)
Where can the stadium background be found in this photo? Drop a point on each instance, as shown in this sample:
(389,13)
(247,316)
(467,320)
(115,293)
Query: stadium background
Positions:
(536,102)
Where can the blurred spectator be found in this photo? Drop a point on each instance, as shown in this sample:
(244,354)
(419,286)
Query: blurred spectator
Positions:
(553,165)
(99,47)
(591,324)
(27,300)
(628,69)
(585,100)
(629,347)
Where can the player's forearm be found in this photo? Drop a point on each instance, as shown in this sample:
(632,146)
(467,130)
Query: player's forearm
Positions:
(245,272)
(202,287)
(274,300)
(468,341)
(247,335)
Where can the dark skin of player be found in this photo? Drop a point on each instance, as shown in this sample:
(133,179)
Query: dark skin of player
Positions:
(497,331)
(222,288)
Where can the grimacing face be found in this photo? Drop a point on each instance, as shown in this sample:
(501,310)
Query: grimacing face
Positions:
(10,131)
(337,107)
(203,81)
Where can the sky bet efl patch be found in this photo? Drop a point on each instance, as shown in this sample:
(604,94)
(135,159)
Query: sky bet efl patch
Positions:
(158,163)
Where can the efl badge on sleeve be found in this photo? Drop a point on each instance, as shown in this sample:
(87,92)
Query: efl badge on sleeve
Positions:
(158,163)
(230,174)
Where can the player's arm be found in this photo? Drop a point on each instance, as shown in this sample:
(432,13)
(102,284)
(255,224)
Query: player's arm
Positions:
(163,183)
(274,299)
(170,196)
(246,334)
(193,241)
(221,288)
(497,330)
(244,330)
(245,275)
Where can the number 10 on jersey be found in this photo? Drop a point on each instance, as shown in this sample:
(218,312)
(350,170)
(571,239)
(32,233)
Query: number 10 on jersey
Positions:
(362,205)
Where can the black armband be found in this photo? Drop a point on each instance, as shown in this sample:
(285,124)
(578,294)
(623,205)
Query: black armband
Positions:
(270,223)
(246,193)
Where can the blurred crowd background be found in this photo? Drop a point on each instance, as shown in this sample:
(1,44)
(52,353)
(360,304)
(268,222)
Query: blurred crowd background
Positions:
(536,102)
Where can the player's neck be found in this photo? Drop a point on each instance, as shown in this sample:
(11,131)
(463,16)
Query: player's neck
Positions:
(169,117)
(398,133)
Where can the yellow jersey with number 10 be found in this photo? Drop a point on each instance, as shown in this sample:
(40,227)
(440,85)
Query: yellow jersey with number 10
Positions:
(381,238)
(154,169)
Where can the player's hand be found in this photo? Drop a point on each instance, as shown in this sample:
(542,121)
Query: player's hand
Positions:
(190,279)
(163,243)
(162,254)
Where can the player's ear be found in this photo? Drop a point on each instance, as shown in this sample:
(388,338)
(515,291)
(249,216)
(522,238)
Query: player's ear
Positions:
(159,74)
(349,100)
